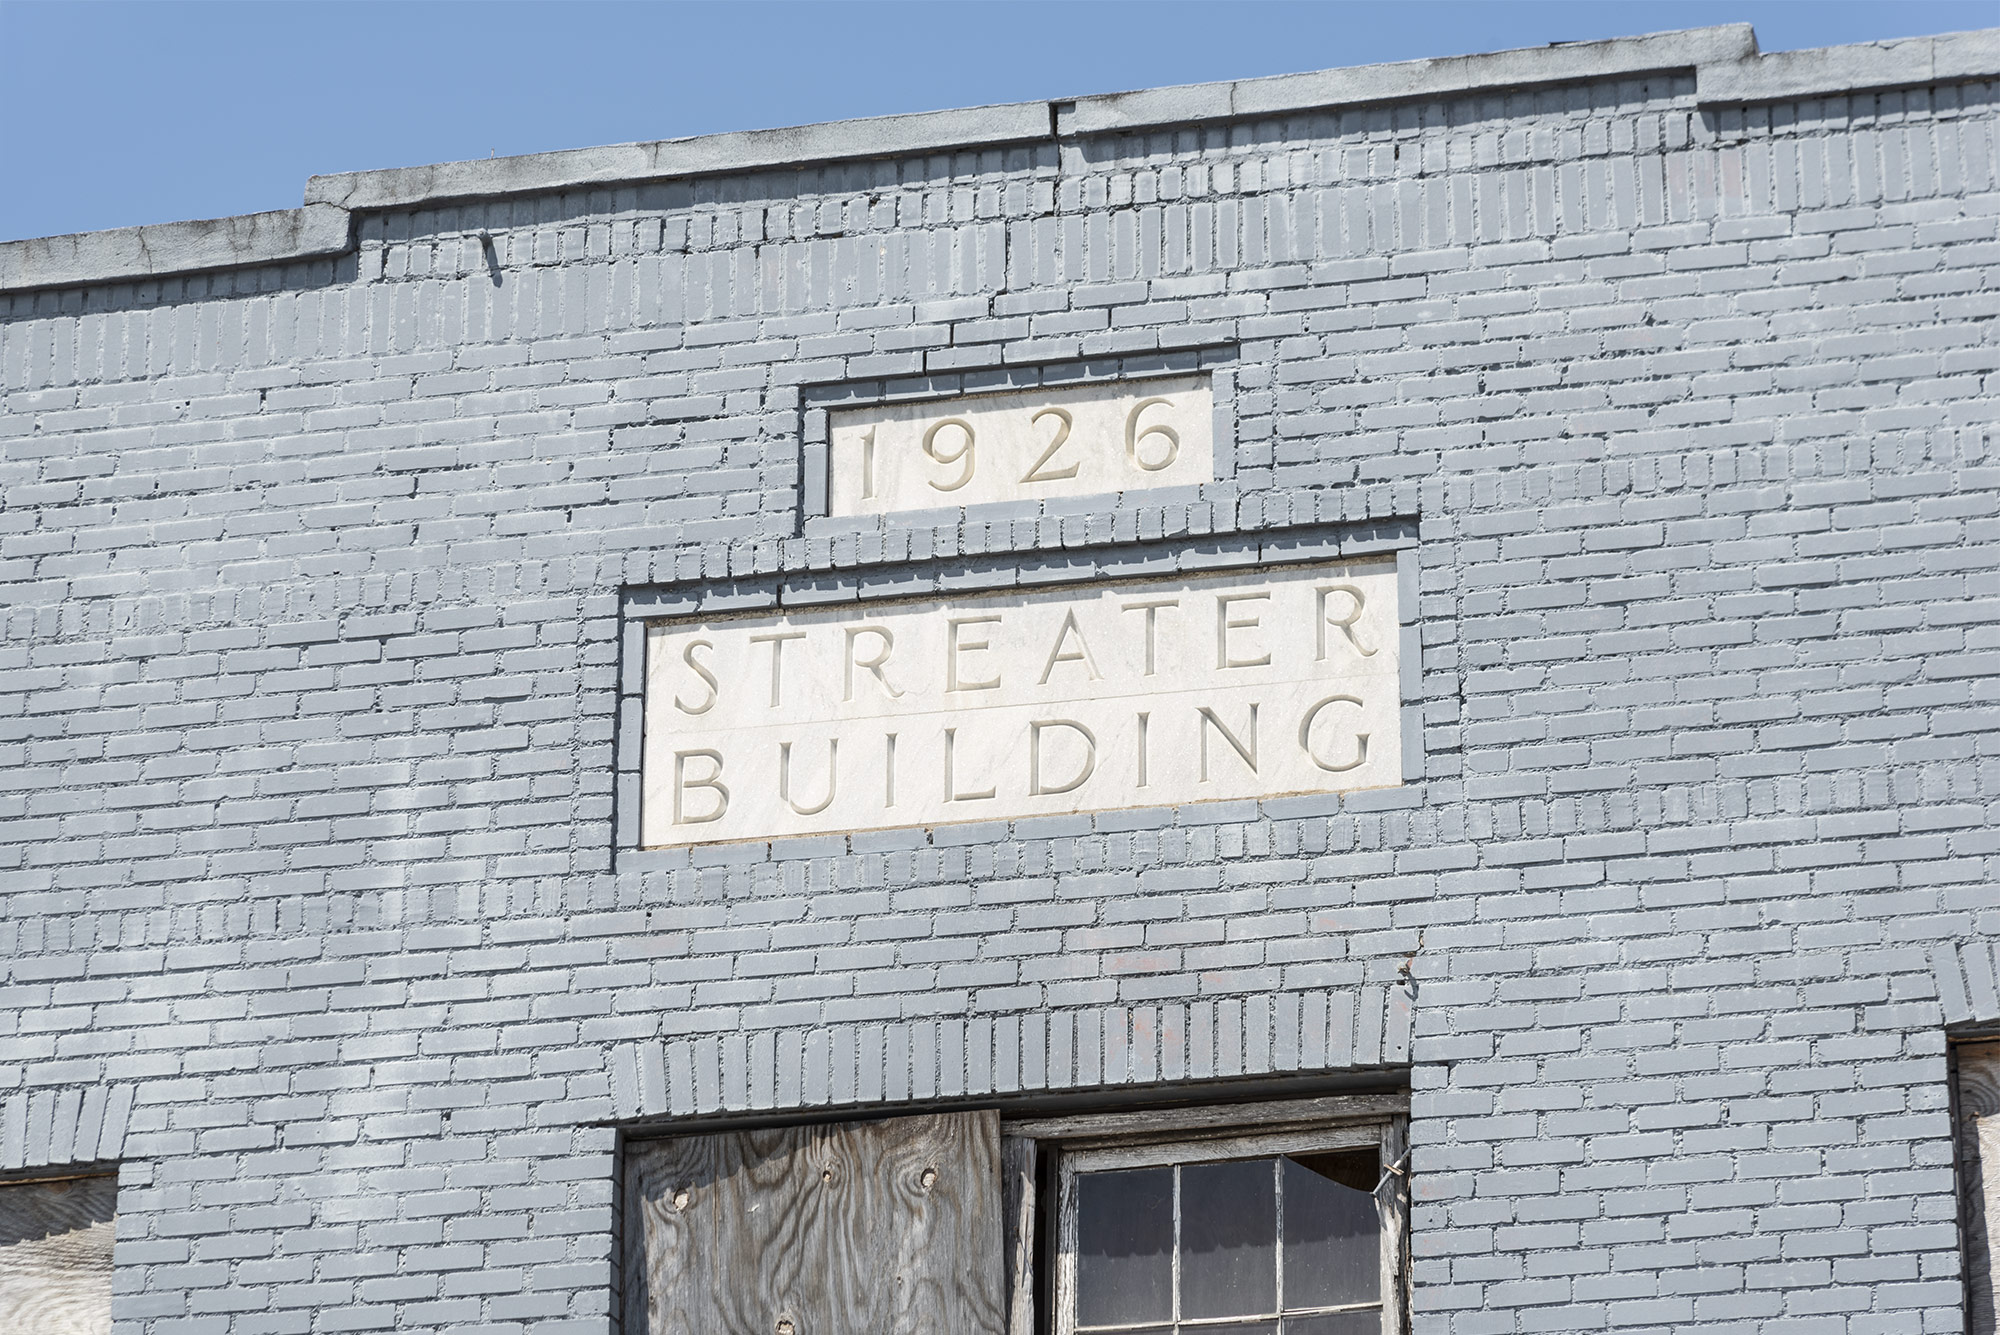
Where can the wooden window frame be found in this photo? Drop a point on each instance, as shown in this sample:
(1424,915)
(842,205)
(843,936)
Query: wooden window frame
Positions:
(1976,1250)
(1041,1157)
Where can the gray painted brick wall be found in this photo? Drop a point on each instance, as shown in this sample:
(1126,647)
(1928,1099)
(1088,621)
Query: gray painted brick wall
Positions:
(314,578)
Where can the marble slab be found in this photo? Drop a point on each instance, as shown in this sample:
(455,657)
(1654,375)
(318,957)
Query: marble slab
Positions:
(1043,444)
(1246,684)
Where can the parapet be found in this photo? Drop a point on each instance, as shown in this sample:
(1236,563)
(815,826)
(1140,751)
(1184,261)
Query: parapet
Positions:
(1727,68)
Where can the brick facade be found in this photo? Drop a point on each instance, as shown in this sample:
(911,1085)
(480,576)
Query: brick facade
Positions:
(320,580)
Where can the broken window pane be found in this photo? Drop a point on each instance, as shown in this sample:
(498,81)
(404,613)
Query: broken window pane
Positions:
(1333,1231)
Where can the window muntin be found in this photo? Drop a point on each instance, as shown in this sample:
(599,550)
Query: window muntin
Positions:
(1275,1234)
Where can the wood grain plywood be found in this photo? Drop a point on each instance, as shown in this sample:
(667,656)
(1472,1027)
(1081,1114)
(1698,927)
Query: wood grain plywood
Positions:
(862,1228)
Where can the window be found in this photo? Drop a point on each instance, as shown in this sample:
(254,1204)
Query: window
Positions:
(887,1227)
(1271,1219)
(1978,1111)
(1249,1219)
(55,1255)
(1254,1236)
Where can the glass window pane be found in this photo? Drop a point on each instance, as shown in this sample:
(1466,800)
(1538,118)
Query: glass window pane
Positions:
(1229,1227)
(1234,1328)
(1333,1235)
(1367,1321)
(1124,1246)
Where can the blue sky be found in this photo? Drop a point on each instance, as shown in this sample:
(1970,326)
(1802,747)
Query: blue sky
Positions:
(119,113)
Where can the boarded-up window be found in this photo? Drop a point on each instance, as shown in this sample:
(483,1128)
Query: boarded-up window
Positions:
(55,1256)
(853,1228)
(1979,1161)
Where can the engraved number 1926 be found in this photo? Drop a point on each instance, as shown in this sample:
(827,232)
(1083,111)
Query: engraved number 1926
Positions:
(951,443)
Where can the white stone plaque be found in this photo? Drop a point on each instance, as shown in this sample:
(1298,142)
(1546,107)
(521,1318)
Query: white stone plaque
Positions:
(1249,684)
(1077,441)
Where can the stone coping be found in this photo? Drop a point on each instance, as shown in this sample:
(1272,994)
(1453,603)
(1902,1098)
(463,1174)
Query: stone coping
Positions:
(1727,66)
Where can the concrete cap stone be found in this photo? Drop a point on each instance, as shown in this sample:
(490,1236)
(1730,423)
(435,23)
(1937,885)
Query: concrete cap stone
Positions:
(1525,67)
(1904,63)
(157,249)
(1724,61)
(706,155)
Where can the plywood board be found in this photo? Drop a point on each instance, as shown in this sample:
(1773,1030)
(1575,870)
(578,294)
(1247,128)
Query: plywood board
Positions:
(55,1256)
(890,1227)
